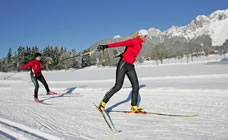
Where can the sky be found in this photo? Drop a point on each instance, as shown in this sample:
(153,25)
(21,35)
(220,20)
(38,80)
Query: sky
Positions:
(78,24)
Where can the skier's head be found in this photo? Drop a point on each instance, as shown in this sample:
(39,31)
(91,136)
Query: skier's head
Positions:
(143,34)
(38,56)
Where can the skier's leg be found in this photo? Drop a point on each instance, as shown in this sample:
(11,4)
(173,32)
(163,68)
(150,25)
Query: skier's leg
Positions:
(135,85)
(43,81)
(120,74)
(36,84)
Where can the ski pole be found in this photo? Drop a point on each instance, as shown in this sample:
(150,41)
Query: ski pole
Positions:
(87,53)
(9,76)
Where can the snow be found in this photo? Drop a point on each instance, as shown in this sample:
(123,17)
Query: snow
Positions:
(219,32)
(116,36)
(176,87)
(154,32)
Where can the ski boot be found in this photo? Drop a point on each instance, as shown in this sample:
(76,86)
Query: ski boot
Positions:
(36,100)
(101,106)
(136,109)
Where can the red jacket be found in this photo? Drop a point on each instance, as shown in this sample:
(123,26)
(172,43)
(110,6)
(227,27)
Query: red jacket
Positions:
(35,65)
(132,51)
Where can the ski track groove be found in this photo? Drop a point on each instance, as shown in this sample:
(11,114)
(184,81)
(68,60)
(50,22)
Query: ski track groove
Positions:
(50,122)
(46,122)
(54,125)
(26,130)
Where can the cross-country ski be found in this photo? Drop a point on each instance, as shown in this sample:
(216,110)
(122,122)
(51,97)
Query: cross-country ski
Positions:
(153,113)
(59,94)
(106,120)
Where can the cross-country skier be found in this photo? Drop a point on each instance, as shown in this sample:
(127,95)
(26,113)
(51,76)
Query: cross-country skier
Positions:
(36,68)
(126,67)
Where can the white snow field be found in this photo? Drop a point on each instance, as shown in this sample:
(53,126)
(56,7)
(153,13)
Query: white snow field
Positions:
(199,87)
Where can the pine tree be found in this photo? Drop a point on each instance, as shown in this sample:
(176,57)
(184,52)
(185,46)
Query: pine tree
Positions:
(20,56)
(55,58)
(9,60)
(1,65)
(9,56)
(27,55)
(35,49)
(86,58)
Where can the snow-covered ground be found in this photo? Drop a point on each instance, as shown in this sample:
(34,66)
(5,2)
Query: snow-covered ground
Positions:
(200,87)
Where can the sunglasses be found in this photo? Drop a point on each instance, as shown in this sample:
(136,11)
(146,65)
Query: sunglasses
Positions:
(145,36)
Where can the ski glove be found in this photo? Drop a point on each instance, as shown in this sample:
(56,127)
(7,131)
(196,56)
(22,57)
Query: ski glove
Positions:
(102,47)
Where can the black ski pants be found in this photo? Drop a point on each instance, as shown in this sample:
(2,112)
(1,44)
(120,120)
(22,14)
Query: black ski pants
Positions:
(123,69)
(36,84)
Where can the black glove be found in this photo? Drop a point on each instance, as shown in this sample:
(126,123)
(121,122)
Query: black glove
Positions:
(102,47)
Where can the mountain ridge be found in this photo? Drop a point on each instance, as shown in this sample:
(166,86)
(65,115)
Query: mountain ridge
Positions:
(213,25)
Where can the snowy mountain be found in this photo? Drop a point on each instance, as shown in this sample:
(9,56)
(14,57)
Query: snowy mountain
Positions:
(215,25)
(204,33)
(117,36)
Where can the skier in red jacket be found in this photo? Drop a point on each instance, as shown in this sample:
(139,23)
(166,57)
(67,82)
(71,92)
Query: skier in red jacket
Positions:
(36,68)
(126,67)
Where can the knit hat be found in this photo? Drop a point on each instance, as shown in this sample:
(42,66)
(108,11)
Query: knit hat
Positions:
(38,55)
(143,32)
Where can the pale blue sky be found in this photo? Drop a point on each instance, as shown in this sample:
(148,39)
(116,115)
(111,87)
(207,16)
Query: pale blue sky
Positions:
(78,24)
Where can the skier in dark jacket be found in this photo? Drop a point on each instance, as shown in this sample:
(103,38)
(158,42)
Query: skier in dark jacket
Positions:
(126,67)
(36,68)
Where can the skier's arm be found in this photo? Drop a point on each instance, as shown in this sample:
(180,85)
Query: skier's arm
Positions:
(119,44)
(26,65)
